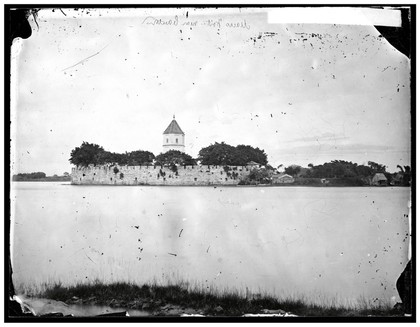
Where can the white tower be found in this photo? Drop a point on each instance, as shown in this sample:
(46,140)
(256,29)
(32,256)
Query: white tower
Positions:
(173,137)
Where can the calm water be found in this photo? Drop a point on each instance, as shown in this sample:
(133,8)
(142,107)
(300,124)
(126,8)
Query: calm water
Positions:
(327,243)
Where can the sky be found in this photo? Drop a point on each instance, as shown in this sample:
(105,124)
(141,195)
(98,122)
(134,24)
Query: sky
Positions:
(305,93)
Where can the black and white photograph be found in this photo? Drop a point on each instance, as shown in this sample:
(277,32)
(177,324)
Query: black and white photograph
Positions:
(208,163)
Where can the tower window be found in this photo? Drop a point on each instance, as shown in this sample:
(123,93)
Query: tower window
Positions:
(176,140)
(167,141)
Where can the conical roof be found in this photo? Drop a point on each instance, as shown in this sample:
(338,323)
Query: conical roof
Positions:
(173,128)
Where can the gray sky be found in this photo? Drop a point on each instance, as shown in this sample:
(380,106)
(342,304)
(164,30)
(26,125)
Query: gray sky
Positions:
(303,93)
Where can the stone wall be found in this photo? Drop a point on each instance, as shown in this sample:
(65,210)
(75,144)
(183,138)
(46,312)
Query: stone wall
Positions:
(157,175)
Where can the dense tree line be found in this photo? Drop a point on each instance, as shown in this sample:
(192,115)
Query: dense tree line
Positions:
(349,171)
(214,154)
(89,153)
(28,176)
(225,154)
(336,169)
(341,168)
(40,176)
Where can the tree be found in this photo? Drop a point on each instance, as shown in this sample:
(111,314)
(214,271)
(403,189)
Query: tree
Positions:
(217,154)
(174,157)
(292,170)
(404,170)
(377,168)
(87,154)
(270,167)
(140,157)
(247,153)
(406,175)
(363,171)
(107,157)
(260,175)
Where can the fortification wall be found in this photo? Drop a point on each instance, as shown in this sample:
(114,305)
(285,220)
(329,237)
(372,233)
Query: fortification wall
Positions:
(157,175)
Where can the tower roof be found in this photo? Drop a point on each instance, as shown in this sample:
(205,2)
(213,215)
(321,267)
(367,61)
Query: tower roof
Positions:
(173,128)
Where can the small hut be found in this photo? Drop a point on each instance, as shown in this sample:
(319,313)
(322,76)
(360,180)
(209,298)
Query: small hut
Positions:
(283,179)
(379,179)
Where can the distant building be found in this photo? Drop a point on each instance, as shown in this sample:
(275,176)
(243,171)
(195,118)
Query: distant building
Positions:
(283,179)
(379,179)
(253,164)
(173,137)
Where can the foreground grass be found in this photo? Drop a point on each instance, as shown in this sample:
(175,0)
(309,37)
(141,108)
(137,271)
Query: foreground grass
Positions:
(154,298)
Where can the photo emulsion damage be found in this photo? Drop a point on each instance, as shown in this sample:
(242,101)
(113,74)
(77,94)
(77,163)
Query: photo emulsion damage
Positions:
(202,163)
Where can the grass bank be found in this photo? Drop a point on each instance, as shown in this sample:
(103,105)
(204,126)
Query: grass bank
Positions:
(159,300)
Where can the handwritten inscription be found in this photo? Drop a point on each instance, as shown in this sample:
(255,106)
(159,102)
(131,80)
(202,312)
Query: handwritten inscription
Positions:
(240,24)
(214,23)
(149,20)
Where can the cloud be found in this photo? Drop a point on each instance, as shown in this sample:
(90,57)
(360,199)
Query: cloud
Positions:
(324,137)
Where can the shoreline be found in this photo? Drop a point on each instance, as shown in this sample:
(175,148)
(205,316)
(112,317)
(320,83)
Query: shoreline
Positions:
(244,186)
(179,299)
(42,180)
(221,185)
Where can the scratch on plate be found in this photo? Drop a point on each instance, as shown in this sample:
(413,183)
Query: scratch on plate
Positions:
(88,257)
(82,61)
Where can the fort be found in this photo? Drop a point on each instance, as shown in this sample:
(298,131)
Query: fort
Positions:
(152,174)
(159,175)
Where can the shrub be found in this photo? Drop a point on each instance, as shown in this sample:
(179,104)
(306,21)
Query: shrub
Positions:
(174,168)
